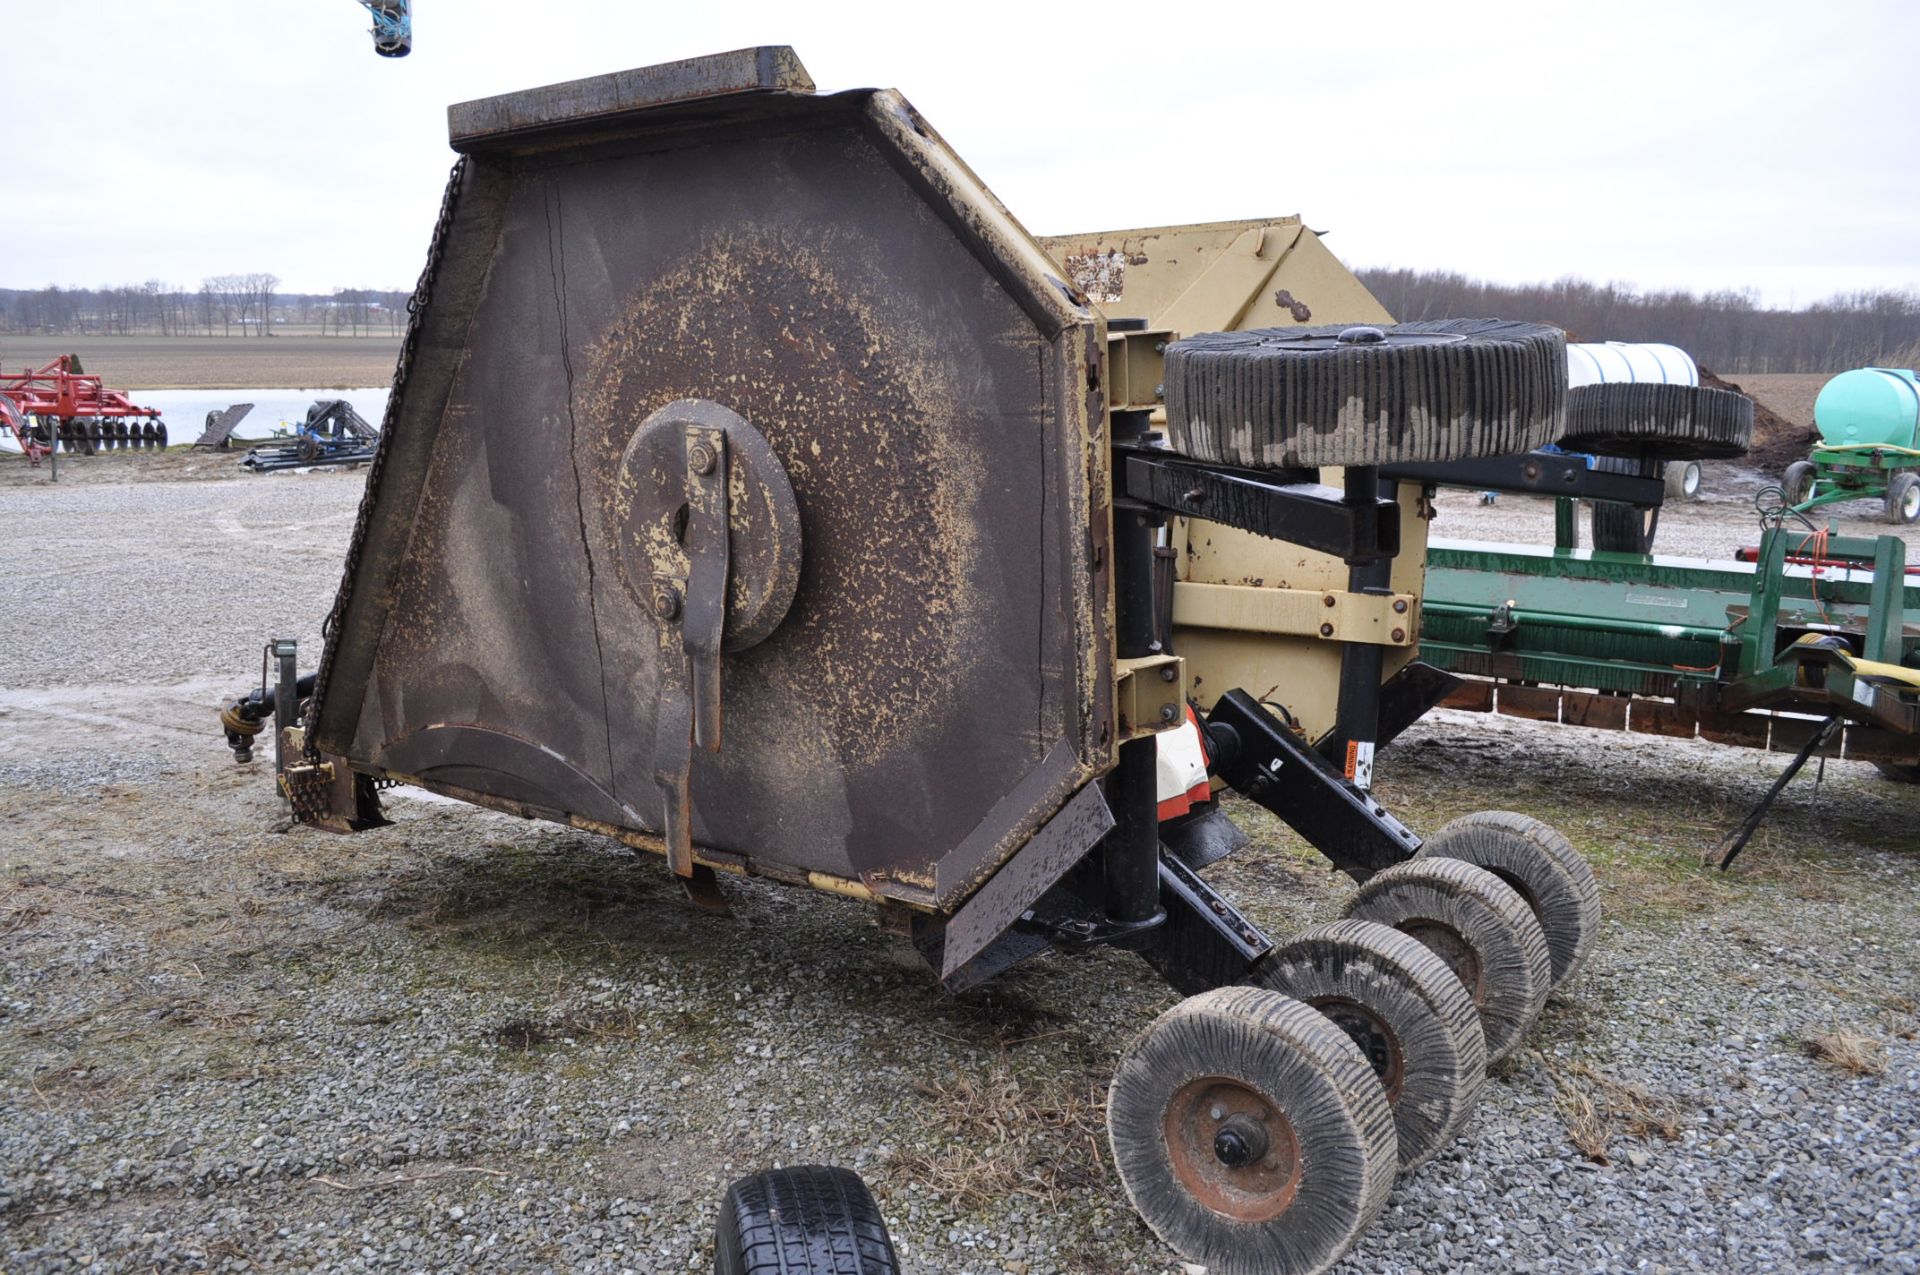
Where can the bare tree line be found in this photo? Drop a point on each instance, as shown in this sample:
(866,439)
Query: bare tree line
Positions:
(1726,331)
(247,304)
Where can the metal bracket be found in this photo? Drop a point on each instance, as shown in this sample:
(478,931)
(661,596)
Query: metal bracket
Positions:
(1333,615)
(1136,369)
(1266,763)
(1205,942)
(1149,694)
(305,785)
(693,617)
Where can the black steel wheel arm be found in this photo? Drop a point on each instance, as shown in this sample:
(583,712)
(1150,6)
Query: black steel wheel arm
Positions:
(1264,761)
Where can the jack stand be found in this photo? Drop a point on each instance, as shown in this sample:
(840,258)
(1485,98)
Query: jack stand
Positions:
(1737,842)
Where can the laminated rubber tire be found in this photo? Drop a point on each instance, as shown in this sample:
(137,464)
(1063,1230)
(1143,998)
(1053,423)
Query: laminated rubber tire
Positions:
(811,1218)
(1280,398)
(1662,422)
(1544,870)
(1406,1012)
(1480,927)
(1251,1134)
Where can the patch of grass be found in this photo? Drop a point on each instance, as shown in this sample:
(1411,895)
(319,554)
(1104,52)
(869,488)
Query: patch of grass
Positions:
(1008,1136)
(1851,1052)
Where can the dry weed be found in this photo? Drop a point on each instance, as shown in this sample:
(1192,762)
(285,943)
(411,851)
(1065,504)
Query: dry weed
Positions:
(996,1136)
(1851,1052)
(1901,1017)
(1595,1107)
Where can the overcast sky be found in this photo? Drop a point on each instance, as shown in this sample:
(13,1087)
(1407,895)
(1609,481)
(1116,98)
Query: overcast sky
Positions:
(1772,146)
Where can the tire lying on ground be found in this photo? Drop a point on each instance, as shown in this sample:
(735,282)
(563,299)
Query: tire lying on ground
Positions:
(1480,927)
(811,1218)
(1251,1134)
(1541,866)
(1406,1012)
(1683,479)
(1659,422)
(1278,398)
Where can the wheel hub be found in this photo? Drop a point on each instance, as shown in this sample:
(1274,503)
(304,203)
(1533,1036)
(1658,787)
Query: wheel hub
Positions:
(1232,1150)
(1374,1037)
(1448,944)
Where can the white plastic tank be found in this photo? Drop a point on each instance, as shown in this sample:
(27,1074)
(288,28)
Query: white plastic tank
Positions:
(1603,363)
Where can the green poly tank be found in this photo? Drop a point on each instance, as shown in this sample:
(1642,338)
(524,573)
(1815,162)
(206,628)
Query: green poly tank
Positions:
(1869,405)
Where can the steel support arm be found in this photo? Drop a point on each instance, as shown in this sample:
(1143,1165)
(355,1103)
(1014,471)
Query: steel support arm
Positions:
(1535,473)
(1301,512)
(1267,763)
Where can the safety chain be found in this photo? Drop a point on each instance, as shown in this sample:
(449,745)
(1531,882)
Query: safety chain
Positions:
(416,312)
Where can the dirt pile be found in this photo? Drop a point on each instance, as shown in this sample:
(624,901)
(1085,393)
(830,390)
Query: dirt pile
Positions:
(1777,441)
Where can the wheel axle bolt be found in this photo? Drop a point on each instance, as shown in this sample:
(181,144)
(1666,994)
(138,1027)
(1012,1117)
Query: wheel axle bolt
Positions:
(1169,674)
(1242,1141)
(1169,712)
(1217,1112)
(701,459)
(666,602)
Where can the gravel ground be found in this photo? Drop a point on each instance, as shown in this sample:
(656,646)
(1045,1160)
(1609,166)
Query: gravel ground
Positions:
(466,1040)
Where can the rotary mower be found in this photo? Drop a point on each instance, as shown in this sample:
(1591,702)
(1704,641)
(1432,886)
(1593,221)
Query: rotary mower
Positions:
(756,492)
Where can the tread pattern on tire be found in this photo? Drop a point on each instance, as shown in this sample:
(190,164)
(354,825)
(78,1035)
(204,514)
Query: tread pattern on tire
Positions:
(1490,917)
(1313,1073)
(816,1218)
(1276,398)
(1664,422)
(1428,1010)
(1533,857)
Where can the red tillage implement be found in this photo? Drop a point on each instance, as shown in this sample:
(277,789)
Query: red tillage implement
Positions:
(60,405)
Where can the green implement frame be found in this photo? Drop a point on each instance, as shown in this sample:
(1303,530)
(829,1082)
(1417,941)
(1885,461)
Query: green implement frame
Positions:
(1858,471)
(1755,653)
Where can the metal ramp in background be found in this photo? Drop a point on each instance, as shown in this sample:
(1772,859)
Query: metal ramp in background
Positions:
(220,426)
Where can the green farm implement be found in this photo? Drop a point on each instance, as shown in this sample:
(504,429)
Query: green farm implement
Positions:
(1869,423)
(1813,648)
